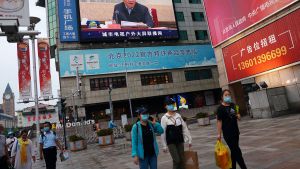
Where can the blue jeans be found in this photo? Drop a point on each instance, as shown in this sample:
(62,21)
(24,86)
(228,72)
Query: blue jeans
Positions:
(148,162)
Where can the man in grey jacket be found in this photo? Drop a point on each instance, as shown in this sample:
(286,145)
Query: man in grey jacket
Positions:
(130,10)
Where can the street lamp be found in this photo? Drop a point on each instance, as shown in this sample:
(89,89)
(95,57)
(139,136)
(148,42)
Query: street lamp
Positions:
(33,22)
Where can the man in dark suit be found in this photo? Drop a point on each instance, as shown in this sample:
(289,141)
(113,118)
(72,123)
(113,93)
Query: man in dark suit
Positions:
(130,10)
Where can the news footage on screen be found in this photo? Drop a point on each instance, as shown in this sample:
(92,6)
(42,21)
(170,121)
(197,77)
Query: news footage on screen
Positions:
(120,20)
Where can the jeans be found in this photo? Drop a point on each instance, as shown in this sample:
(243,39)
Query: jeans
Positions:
(236,153)
(50,155)
(148,162)
(177,153)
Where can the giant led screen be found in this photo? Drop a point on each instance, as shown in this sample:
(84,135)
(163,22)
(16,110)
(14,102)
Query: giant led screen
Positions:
(122,20)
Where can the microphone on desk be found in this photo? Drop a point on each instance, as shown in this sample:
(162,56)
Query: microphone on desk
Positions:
(117,16)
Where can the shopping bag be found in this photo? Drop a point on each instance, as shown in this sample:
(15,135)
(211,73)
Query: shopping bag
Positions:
(191,160)
(222,156)
(64,156)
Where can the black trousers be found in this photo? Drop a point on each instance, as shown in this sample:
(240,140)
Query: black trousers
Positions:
(236,153)
(3,162)
(50,155)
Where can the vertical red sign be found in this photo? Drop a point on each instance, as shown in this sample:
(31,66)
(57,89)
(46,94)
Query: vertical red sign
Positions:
(270,47)
(44,71)
(24,70)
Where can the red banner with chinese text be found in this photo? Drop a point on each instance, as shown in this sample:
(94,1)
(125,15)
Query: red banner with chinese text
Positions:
(228,17)
(24,70)
(44,71)
(270,47)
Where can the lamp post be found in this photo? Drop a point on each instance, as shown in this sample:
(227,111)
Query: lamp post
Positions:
(110,102)
(33,22)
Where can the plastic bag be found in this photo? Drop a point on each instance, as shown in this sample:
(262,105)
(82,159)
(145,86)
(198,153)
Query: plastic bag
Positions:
(222,155)
(64,156)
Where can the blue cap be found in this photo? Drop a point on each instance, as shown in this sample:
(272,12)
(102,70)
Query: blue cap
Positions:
(141,110)
(169,100)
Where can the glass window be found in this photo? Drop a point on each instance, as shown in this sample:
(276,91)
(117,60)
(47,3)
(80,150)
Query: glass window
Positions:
(177,1)
(195,1)
(197,16)
(157,78)
(201,35)
(183,35)
(179,16)
(103,83)
(201,74)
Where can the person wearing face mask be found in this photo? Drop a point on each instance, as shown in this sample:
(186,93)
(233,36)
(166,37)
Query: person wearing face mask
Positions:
(48,142)
(23,152)
(227,116)
(10,142)
(144,146)
(176,133)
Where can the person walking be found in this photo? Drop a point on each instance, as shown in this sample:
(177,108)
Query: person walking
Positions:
(10,142)
(227,116)
(4,160)
(144,145)
(48,142)
(176,133)
(22,152)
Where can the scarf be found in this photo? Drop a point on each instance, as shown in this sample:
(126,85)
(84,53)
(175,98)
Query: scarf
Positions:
(23,150)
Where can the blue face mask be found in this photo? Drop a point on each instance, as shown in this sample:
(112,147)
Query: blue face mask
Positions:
(171,107)
(145,117)
(46,129)
(227,99)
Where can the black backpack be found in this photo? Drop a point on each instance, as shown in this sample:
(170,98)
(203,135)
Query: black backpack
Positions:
(174,134)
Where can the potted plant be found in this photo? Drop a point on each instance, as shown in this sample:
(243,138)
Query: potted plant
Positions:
(203,119)
(77,143)
(128,128)
(105,137)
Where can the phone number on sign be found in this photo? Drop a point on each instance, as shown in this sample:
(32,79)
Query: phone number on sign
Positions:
(263,58)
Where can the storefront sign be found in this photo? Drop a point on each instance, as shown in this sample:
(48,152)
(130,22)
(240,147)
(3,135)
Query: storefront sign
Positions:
(76,124)
(15,9)
(44,72)
(29,120)
(228,17)
(106,61)
(68,29)
(271,47)
(24,71)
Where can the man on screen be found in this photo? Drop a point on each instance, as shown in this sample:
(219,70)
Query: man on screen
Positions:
(130,10)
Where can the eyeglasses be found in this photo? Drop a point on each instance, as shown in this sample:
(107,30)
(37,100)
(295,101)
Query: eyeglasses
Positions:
(11,5)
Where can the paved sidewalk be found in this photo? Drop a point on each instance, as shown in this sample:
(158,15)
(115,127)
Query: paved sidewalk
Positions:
(266,144)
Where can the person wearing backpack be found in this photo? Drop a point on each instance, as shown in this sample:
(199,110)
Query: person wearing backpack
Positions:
(48,142)
(144,146)
(176,133)
(227,116)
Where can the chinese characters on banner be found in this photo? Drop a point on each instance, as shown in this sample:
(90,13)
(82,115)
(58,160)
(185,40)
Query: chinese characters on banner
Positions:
(44,71)
(265,49)
(229,17)
(29,120)
(24,70)
(67,11)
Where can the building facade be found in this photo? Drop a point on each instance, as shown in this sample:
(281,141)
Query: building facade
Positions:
(198,84)
(8,105)
(276,72)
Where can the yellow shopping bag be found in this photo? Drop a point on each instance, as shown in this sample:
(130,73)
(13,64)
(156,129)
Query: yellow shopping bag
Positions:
(222,155)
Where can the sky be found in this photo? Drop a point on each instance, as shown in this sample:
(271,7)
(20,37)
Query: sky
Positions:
(9,63)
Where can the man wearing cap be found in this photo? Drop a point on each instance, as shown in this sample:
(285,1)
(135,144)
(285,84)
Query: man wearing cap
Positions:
(176,133)
(144,146)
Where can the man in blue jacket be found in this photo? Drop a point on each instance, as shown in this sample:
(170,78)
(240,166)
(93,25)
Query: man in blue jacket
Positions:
(144,146)
(130,10)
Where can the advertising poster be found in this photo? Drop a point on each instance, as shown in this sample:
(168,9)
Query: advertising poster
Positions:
(266,49)
(116,20)
(106,61)
(24,70)
(44,71)
(227,18)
